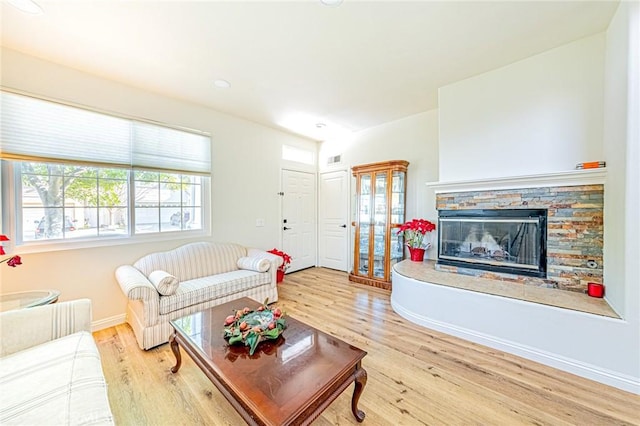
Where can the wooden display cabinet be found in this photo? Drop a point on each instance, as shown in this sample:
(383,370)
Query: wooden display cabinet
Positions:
(380,211)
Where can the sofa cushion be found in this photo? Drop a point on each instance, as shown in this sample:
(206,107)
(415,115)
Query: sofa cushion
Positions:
(256,264)
(193,260)
(164,282)
(204,289)
(58,382)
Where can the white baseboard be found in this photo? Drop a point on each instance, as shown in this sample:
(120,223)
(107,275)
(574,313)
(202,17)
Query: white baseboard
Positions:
(108,322)
(627,383)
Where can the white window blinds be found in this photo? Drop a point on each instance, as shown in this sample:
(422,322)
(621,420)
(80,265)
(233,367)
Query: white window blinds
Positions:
(169,149)
(37,130)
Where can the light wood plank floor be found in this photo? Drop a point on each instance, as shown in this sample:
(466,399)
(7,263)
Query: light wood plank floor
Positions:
(416,376)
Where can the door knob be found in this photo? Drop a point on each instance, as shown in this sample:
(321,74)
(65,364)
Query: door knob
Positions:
(285,228)
(343,226)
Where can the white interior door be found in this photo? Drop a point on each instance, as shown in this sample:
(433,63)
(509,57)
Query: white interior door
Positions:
(299,218)
(333,215)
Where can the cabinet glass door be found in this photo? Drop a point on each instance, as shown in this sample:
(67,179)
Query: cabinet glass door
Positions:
(364,218)
(397,216)
(380,225)
(397,245)
(397,198)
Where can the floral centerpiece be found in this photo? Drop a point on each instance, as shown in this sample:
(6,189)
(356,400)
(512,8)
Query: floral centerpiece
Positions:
(250,327)
(286,262)
(415,232)
(12,261)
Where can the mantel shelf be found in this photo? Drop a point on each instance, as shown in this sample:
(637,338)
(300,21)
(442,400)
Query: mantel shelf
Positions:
(568,178)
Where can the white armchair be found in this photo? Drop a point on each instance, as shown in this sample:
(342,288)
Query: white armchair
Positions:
(50,369)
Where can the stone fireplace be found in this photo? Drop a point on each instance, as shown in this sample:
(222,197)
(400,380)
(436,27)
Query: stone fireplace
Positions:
(574,235)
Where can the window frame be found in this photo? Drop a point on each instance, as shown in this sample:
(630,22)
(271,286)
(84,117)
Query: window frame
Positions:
(12,214)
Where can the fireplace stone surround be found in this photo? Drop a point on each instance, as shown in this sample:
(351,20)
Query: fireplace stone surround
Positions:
(575,230)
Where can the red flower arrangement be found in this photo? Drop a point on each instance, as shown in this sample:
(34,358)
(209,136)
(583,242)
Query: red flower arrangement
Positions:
(12,261)
(415,231)
(286,259)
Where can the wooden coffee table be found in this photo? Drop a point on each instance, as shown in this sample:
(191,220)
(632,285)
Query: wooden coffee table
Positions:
(286,381)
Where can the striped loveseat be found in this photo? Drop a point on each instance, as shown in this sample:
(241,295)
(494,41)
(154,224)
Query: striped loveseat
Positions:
(167,285)
(50,369)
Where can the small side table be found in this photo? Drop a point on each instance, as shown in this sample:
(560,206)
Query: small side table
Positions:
(27,299)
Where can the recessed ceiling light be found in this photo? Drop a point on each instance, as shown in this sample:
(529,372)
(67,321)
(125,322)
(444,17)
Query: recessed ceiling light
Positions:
(27,6)
(331,2)
(222,84)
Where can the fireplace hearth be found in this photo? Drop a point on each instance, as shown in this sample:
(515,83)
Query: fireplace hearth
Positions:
(498,240)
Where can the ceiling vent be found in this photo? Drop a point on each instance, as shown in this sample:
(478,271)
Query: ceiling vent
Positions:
(334,160)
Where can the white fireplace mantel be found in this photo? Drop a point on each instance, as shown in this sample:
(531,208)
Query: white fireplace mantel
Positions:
(568,178)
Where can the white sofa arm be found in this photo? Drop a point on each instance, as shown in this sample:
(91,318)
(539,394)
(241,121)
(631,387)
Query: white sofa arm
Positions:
(135,285)
(276,261)
(25,328)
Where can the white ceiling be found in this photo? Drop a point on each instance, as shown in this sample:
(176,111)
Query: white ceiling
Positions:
(294,64)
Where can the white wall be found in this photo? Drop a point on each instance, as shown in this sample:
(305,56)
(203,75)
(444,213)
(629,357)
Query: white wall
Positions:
(414,139)
(246,161)
(622,188)
(631,11)
(539,115)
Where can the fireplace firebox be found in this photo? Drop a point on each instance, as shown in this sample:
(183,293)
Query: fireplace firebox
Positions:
(502,240)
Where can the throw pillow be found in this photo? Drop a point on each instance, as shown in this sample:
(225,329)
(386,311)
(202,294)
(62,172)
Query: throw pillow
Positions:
(164,282)
(254,264)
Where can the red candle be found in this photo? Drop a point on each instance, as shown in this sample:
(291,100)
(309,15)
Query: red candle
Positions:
(595,289)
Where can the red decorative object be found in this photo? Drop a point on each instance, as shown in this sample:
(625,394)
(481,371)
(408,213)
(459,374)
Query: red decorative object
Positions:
(279,276)
(286,261)
(12,261)
(415,232)
(3,238)
(595,289)
(417,254)
(250,327)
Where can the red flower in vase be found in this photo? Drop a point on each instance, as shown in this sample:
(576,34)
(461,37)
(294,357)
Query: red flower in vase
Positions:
(415,231)
(286,259)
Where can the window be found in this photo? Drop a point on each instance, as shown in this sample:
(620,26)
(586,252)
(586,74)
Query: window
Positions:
(69,201)
(79,174)
(299,155)
(167,202)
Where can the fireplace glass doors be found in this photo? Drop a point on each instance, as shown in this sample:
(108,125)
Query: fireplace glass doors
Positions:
(511,241)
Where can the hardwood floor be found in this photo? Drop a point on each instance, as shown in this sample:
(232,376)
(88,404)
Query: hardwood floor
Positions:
(416,376)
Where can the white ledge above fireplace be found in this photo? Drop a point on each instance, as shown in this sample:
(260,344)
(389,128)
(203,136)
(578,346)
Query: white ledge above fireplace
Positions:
(568,178)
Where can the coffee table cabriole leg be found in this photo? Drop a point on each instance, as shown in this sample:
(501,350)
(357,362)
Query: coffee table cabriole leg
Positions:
(360,381)
(175,348)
